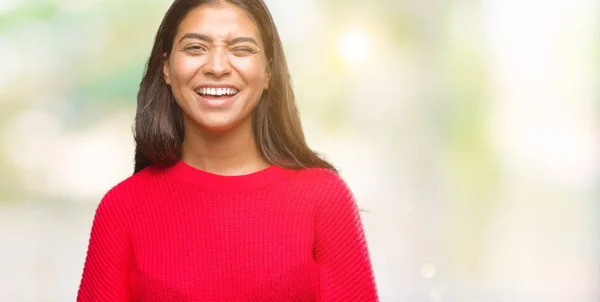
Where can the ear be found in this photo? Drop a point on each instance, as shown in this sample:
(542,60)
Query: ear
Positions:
(166,69)
(268,76)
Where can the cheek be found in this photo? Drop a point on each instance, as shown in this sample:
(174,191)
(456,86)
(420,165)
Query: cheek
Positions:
(183,68)
(252,71)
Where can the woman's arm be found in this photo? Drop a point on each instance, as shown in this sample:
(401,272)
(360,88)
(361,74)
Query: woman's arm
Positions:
(345,272)
(108,262)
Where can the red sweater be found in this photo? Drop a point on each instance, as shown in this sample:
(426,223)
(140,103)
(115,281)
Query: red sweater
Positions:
(182,234)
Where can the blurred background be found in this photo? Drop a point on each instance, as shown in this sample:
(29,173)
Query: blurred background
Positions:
(467,129)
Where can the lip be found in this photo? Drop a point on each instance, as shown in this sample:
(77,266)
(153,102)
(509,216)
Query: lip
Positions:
(216,103)
(216,86)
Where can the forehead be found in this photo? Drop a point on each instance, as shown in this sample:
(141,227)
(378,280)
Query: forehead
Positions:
(219,21)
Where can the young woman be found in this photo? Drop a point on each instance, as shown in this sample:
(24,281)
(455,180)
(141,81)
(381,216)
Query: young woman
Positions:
(227,202)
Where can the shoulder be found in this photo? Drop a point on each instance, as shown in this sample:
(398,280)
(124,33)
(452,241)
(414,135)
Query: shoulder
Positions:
(129,190)
(332,197)
(319,176)
(325,184)
(140,182)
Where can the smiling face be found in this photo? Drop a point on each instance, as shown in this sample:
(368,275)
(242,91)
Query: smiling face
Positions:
(217,68)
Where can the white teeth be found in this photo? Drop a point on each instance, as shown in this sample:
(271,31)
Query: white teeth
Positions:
(217,91)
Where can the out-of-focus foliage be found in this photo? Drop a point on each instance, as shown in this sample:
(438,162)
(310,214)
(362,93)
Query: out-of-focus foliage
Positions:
(468,129)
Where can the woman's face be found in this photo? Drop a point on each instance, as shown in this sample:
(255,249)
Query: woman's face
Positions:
(217,69)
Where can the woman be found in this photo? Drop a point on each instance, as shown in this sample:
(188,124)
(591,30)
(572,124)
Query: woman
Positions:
(227,202)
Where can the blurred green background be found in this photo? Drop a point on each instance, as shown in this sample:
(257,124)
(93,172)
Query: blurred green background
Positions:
(468,130)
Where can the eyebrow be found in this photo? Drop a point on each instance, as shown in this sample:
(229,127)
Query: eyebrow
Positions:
(208,39)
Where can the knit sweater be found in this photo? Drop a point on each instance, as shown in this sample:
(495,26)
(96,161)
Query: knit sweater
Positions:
(183,234)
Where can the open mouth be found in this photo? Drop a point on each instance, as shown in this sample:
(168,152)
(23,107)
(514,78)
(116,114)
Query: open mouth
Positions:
(216,93)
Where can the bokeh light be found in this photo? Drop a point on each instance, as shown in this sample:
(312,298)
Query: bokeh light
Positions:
(468,131)
(354,46)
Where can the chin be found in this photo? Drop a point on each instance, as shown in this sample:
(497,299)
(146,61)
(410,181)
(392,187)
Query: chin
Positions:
(217,124)
(218,120)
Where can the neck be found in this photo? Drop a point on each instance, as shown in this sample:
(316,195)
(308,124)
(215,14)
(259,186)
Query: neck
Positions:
(233,152)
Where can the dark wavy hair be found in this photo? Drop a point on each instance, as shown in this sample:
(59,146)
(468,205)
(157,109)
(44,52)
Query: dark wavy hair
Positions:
(276,126)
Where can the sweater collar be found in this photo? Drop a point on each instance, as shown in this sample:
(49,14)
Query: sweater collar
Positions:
(230,183)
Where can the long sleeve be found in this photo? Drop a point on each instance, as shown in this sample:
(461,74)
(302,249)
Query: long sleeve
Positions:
(341,253)
(108,261)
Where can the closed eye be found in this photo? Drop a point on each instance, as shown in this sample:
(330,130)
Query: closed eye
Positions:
(243,51)
(195,48)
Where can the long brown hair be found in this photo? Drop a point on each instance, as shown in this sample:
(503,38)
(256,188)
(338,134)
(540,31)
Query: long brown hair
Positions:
(275,122)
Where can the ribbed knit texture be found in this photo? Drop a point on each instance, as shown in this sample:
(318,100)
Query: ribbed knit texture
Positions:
(182,234)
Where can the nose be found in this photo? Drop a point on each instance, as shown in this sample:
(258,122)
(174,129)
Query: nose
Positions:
(217,64)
